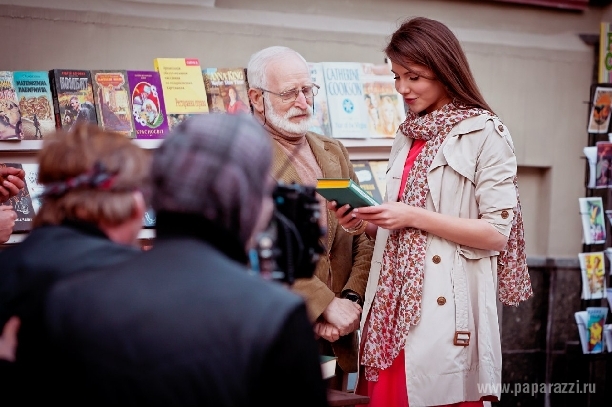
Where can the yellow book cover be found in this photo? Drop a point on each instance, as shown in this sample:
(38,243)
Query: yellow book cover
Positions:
(183,86)
(605,53)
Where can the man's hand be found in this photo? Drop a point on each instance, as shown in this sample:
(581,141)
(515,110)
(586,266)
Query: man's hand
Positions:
(7,222)
(343,314)
(326,331)
(8,340)
(12,180)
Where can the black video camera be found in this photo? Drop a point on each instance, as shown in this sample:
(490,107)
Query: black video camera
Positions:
(290,247)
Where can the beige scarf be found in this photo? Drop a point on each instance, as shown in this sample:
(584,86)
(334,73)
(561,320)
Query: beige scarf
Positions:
(397,303)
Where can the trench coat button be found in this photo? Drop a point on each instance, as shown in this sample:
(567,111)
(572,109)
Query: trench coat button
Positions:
(441,300)
(501,127)
(436,259)
(504,214)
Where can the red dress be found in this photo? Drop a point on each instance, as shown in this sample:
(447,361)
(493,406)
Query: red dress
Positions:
(390,389)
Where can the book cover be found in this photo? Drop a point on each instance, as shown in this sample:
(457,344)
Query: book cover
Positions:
(321,123)
(11,127)
(591,155)
(35,103)
(344,191)
(34,188)
(73,100)
(605,52)
(385,107)
(148,220)
(599,117)
(603,166)
(593,222)
(379,170)
(226,90)
(22,205)
(593,275)
(148,107)
(112,100)
(183,86)
(344,89)
(328,366)
(366,178)
(595,327)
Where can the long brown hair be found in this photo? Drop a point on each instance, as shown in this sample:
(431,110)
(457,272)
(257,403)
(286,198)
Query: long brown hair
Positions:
(68,154)
(430,43)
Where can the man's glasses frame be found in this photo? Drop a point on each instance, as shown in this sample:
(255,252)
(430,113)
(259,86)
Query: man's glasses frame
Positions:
(291,95)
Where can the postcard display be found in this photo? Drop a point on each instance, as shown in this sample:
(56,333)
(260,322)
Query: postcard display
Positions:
(595,210)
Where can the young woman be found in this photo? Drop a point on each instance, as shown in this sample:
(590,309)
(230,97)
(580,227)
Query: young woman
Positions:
(448,236)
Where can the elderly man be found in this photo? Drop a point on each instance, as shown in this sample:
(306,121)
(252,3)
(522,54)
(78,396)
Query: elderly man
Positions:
(185,323)
(282,94)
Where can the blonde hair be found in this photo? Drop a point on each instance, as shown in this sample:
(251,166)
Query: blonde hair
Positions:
(66,155)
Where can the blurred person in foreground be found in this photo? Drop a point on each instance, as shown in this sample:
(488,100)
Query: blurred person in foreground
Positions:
(185,323)
(90,217)
(282,94)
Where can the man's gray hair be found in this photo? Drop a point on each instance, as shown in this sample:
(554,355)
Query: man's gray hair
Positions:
(256,68)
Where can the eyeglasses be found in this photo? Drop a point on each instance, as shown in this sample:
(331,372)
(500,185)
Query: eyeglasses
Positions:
(292,94)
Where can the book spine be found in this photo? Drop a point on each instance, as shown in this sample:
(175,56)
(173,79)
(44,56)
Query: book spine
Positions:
(363,194)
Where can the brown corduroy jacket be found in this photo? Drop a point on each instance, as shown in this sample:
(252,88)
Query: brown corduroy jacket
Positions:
(345,264)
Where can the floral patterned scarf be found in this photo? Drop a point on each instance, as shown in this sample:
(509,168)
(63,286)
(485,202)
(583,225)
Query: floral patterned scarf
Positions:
(397,303)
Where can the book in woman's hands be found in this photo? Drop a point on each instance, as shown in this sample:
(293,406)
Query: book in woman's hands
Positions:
(328,366)
(344,191)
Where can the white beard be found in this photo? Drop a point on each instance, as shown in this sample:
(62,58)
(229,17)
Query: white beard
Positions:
(283,123)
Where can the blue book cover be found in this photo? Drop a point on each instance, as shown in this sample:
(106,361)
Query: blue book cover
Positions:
(35,103)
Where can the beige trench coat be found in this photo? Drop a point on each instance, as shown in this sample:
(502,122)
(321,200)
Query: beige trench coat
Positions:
(470,177)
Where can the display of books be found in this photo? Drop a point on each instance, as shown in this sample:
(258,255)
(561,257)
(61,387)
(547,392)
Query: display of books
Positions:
(344,191)
(603,166)
(593,223)
(593,274)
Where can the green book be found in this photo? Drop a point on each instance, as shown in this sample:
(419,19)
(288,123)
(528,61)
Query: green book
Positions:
(344,191)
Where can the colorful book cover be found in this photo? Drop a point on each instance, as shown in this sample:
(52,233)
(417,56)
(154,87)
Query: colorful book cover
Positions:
(226,90)
(347,109)
(22,205)
(595,327)
(593,275)
(11,127)
(379,170)
(112,100)
(593,222)
(73,100)
(605,52)
(603,165)
(385,107)
(367,180)
(183,86)
(148,107)
(34,188)
(599,117)
(321,121)
(35,103)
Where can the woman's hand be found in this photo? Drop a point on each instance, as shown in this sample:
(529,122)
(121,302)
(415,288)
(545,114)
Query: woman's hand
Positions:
(388,215)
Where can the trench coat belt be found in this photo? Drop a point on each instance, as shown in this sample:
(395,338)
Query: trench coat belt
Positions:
(460,291)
